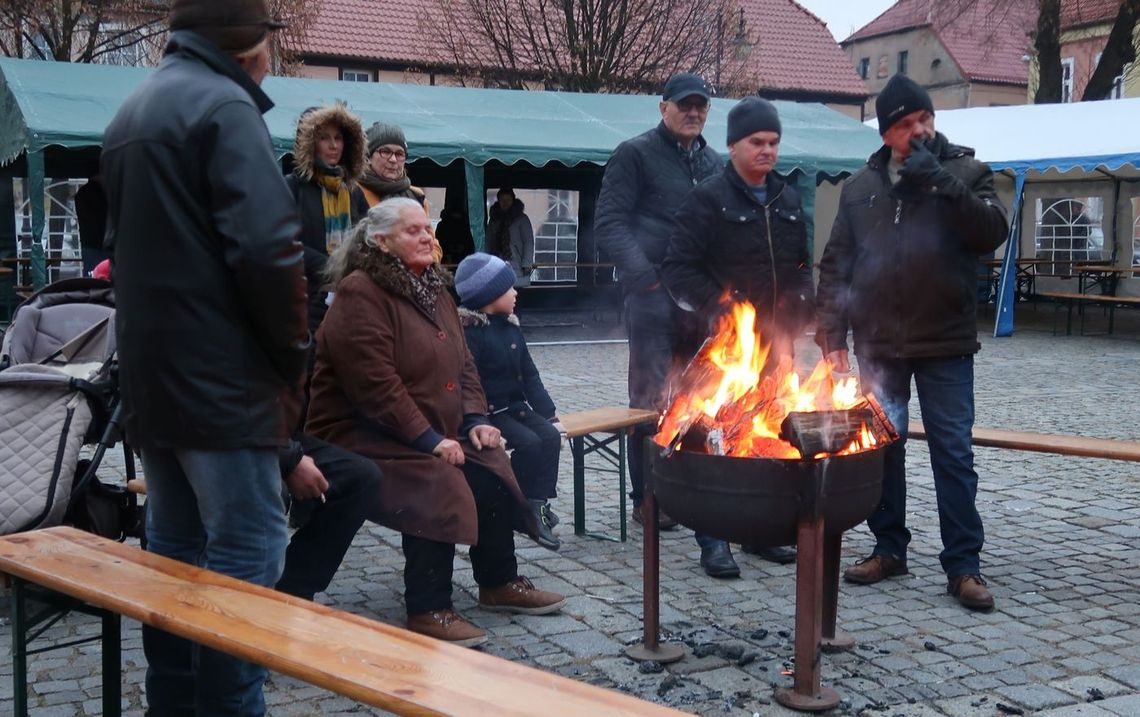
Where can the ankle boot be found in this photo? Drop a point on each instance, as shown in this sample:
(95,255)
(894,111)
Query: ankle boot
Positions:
(545,537)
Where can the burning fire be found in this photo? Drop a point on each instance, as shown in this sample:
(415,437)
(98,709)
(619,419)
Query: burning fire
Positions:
(725,394)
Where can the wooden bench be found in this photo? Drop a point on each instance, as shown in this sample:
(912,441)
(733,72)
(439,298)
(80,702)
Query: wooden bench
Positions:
(379,665)
(1046,443)
(1071,300)
(615,423)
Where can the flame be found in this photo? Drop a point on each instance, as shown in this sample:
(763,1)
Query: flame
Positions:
(727,391)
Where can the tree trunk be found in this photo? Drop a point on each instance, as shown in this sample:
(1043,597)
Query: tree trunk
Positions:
(1047,43)
(1119,50)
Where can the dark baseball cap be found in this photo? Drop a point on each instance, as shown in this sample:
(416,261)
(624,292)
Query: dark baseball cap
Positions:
(685,84)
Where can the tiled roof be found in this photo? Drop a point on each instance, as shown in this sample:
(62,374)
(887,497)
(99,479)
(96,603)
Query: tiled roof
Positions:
(794,49)
(1085,12)
(375,30)
(987,39)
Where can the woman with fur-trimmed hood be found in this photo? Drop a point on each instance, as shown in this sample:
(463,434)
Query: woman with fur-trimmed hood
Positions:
(328,157)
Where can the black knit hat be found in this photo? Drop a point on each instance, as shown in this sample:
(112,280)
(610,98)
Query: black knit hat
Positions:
(481,278)
(381,133)
(751,115)
(232,25)
(899,98)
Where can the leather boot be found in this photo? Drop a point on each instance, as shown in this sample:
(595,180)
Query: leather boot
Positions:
(869,571)
(718,562)
(546,537)
(520,596)
(781,554)
(448,626)
(971,592)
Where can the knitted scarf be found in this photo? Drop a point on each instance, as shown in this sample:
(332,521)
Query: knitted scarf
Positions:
(424,289)
(336,203)
(381,187)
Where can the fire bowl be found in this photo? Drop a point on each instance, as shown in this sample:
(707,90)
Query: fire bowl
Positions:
(759,501)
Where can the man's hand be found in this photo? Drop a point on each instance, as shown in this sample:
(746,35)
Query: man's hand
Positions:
(450,451)
(838,361)
(921,167)
(306,482)
(484,436)
(923,170)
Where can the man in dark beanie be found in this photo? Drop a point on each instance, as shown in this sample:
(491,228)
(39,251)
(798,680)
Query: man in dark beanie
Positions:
(743,233)
(645,181)
(211,324)
(900,270)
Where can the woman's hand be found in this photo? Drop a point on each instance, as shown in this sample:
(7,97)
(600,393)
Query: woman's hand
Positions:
(484,436)
(449,451)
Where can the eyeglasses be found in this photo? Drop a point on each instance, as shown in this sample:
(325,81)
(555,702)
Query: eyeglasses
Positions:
(687,106)
(386,153)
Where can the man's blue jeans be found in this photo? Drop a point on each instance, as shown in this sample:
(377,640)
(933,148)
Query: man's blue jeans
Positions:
(221,510)
(946,397)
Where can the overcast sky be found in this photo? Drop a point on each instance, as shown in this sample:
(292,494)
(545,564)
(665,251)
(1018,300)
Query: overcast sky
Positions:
(846,16)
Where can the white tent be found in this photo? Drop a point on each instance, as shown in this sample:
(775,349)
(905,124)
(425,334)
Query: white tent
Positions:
(1086,154)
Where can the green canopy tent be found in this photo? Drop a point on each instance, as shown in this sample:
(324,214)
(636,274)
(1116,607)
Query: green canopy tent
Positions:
(53,116)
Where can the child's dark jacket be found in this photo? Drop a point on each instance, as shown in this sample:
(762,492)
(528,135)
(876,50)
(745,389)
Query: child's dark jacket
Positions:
(506,369)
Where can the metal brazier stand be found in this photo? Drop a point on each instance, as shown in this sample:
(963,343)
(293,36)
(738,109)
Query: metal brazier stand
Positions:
(766,502)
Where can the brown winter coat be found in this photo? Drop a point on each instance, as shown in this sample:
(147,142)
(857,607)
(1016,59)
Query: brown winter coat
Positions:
(385,374)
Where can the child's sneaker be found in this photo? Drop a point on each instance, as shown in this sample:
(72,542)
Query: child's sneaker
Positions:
(545,537)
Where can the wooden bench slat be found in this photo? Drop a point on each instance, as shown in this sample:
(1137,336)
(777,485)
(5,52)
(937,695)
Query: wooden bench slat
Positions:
(1071,296)
(377,664)
(1047,443)
(608,419)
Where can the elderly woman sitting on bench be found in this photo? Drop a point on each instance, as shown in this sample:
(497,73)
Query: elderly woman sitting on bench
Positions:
(394,382)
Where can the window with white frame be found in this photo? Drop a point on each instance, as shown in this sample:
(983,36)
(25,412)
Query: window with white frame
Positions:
(124,47)
(553,215)
(1067,71)
(1117,91)
(348,75)
(1068,231)
(1136,233)
(61,226)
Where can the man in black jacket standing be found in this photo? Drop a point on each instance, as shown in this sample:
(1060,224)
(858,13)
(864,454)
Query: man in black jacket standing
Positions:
(901,270)
(645,181)
(211,323)
(743,234)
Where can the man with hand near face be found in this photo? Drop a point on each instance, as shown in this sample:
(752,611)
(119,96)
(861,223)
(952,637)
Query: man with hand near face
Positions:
(900,270)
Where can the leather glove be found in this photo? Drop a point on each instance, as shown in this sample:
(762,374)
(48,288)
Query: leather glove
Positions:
(923,170)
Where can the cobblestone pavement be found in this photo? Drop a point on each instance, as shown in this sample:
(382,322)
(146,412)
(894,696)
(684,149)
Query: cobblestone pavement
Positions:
(1062,557)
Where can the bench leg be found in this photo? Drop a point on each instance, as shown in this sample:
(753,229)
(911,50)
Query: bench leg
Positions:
(622,463)
(112,665)
(19,648)
(577,449)
(1069,320)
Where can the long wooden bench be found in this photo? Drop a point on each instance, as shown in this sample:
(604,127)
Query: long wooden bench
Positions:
(379,665)
(614,423)
(1071,300)
(1046,443)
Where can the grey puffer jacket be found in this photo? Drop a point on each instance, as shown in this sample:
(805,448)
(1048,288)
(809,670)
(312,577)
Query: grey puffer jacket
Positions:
(901,266)
(645,181)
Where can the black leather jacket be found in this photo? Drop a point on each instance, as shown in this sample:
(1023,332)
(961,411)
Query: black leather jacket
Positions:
(211,294)
(645,181)
(901,266)
(725,240)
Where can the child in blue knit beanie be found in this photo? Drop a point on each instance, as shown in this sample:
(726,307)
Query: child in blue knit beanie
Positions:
(517,402)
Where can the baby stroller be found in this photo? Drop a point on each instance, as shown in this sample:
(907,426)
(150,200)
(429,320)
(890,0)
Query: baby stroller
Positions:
(59,392)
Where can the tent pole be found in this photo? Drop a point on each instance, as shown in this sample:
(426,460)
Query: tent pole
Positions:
(476,205)
(35,191)
(806,183)
(1113,222)
(1007,283)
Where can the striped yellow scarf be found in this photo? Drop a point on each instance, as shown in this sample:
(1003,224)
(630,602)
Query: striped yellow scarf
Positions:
(335,203)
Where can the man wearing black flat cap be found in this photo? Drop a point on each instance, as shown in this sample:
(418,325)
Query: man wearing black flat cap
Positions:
(743,233)
(211,324)
(900,270)
(645,181)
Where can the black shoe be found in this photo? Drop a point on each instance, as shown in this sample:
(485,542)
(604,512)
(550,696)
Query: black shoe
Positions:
(545,537)
(782,554)
(718,562)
